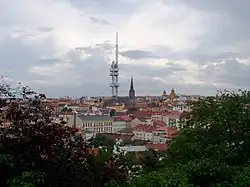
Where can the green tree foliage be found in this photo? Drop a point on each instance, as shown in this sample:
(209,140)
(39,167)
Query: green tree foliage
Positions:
(150,161)
(171,176)
(27,179)
(112,112)
(101,140)
(212,148)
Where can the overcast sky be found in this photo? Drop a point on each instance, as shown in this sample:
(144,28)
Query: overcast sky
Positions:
(64,47)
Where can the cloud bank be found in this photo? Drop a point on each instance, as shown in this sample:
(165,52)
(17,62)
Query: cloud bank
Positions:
(65,47)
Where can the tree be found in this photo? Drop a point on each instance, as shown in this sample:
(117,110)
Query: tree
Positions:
(101,140)
(217,128)
(66,109)
(34,151)
(212,148)
(112,112)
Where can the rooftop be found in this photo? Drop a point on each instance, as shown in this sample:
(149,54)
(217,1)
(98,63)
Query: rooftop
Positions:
(95,118)
(123,118)
(157,147)
(115,136)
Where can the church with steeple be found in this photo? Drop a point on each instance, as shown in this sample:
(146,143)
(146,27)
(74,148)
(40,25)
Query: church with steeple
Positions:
(131,93)
(128,101)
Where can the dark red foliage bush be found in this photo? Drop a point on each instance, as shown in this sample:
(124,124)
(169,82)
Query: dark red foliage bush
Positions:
(34,143)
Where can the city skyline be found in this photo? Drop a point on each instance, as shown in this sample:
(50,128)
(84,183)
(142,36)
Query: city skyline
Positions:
(66,47)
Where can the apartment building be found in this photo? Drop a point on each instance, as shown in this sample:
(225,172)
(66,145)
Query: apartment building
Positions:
(92,123)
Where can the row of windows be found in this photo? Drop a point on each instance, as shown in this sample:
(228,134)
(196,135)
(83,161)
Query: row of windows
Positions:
(100,129)
(93,124)
(146,134)
(161,133)
(142,134)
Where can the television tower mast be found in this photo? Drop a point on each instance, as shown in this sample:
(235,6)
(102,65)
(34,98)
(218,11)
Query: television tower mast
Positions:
(114,72)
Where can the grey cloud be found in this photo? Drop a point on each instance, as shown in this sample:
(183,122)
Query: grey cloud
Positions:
(234,74)
(22,33)
(231,24)
(93,71)
(143,70)
(229,7)
(143,86)
(230,28)
(229,32)
(176,67)
(16,57)
(108,6)
(231,74)
(104,47)
(48,60)
(98,20)
(198,57)
(45,29)
(204,58)
(138,54)
(227,36)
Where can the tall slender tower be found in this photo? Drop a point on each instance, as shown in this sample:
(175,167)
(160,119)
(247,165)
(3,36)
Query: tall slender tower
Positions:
(114,72)
(132,93)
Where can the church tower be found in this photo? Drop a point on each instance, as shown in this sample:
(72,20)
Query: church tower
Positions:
(164,95)
(172,94)
(132,93)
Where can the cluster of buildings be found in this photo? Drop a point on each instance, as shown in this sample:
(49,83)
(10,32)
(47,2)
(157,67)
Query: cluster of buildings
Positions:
(141,123)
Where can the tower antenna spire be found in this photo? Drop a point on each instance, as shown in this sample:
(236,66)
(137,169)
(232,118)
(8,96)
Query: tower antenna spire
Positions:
(116,50)
(114,72)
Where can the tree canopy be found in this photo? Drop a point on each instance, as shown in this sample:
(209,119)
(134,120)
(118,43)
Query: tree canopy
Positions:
(211,149)
(112,112)
(101,140)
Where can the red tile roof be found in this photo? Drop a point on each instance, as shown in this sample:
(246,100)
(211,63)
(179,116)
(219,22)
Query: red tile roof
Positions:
(172,132)
(159,123)
(132,116)
(143,127)
(143,113)
(161,129)
(173,114)
(120,113)
(149,128)
(157,113)
(157,147)
(123,118)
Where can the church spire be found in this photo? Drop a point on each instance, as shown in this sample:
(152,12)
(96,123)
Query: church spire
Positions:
(132,93)
(131,84)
